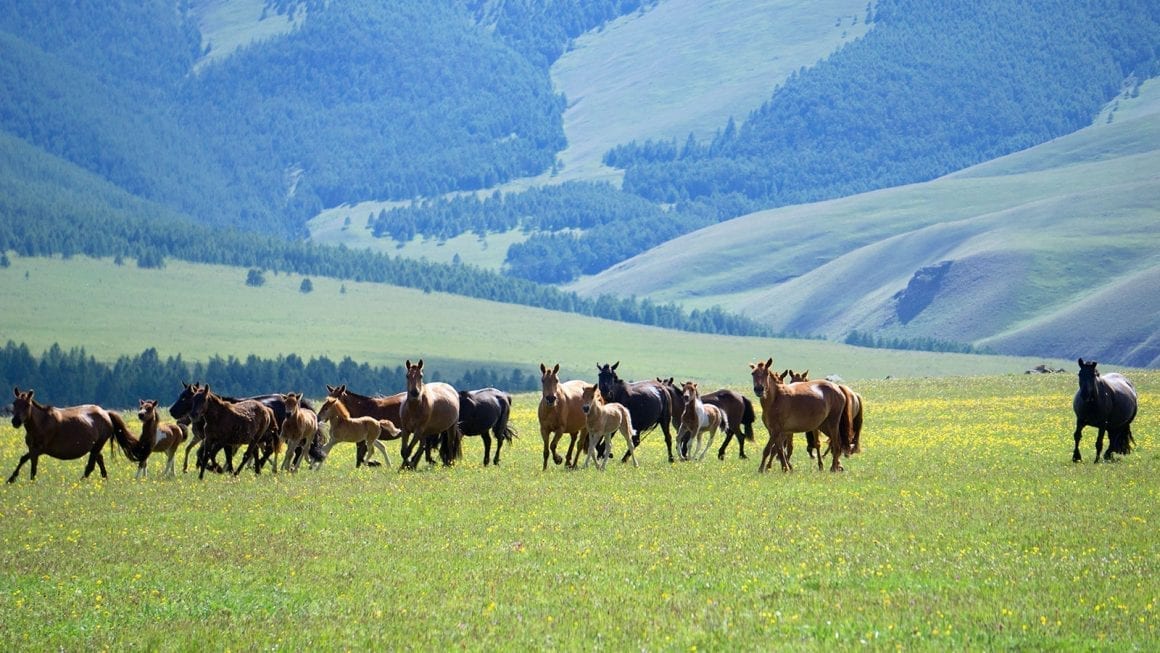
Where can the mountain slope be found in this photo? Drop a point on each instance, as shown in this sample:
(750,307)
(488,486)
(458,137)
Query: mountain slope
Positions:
(1027,236)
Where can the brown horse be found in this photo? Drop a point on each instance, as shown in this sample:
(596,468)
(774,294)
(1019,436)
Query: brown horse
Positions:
(364,429)
(247,422)
(738,409)
(68,433)
(363,406)
(157,437)
(696,418)
(854,405)
(797,408)
(602,420)
(560,412)
(297,430)
(430,411)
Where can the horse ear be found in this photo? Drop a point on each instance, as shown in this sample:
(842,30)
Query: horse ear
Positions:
(615,365)
(543,369)
(16,391)
(805,374)
(419,364)
(556,369)
(329,388)
(408,363)
(769,363)
(30,393)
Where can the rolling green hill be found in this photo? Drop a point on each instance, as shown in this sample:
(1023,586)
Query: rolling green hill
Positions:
(198,311)
(1053,251)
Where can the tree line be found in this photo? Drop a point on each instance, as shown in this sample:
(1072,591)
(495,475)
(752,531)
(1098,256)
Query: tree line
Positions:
(69,377)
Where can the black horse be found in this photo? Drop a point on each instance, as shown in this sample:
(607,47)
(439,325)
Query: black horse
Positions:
(1107,402)
(184,403)
(647,401)
(737,407)
(485,413)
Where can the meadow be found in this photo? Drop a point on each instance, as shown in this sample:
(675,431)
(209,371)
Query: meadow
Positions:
(963,525)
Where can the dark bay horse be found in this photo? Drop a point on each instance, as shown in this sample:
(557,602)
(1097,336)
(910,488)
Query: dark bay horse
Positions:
(1107,402)
(647,401)
(430,413)
(560,412)
(157,437)
(68,433)
(486,413)
(738,412)
(797,408)
(180,410)
(363,406)
(247,422)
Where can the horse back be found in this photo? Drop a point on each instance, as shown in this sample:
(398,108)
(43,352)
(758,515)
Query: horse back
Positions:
(803,406)
(481,410)
(649,404)
(434,412)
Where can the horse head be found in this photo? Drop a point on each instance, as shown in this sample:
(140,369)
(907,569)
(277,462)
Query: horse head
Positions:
(549,383)
(181,407)
(292,400)
(798,377)
(588,398)
(607,379)
(762,373)
(1088,384)
(146,410)
(198,401)
(414,379)
(21,406)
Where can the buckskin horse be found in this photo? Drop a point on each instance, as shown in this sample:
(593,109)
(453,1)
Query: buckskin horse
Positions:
(363,406)
(560,412)
(430,411)
(797,408)
(346,428)
(647,401)
(1108,402)
(67,433)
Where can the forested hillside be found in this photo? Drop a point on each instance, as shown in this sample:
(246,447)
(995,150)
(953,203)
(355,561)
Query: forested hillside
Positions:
(931,89)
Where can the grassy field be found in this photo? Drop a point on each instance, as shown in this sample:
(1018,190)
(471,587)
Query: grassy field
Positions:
(963,525)
(200,310)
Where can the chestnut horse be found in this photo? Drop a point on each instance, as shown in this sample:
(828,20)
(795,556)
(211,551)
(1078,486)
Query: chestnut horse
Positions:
(560,412)
(363,406)
(157,437)
(647,401)
(247,422)
(365,429)
(430,411)
(854,405)
(696,418)
(297,430)
(797,408)
(1107,402)
(738,411)
(602,420)
(68,433)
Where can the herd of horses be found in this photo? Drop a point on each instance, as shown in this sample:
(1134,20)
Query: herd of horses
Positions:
(434,417)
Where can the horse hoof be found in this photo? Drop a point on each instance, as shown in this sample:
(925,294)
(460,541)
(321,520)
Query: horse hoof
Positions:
(744,457)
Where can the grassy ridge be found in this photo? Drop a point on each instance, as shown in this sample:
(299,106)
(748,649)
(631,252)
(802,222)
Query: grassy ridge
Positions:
(200,310)
(1029,234)
(963,525)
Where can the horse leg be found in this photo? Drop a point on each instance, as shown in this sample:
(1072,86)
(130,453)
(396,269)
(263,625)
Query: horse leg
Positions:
(486,437)
(1075,457)
(555,441)
(142,472)
(725,444)
(631,447)
(23,459)
(498,445)
(578,442)
(1099,443)
(383,450)
(668,439)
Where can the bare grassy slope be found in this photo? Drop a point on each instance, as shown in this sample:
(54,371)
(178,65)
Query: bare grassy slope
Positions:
(1028,235)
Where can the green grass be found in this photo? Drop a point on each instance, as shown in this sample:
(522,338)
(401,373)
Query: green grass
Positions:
(1030,234)
(200,310)
(962,526)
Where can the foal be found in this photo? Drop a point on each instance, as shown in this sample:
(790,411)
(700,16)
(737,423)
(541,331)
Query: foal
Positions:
(298,428)
(157,438)
(602,420)
(696,418)
(365,429)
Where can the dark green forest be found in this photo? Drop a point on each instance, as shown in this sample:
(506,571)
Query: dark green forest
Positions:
(69,377)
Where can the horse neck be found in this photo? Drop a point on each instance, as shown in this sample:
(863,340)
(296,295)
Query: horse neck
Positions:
(39,418)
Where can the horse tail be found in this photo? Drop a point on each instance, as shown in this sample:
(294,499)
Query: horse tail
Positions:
(504,428)
(846,427)
(748,417)
(451,445)
(123,437)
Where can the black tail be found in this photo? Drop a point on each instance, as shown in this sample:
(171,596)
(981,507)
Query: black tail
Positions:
(124,438)
(748,417)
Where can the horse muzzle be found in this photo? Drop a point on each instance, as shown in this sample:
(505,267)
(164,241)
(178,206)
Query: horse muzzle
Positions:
(585,408)
(414,394)
(759,390)
(550,400)
(16,422)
